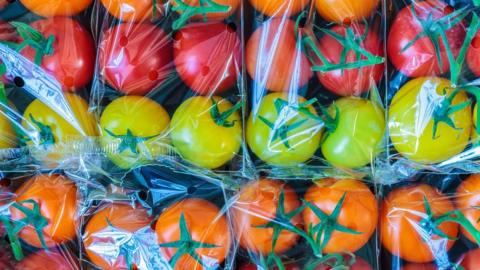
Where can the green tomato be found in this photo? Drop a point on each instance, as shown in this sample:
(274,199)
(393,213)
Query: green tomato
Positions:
(207,131)
(134,131)
(357,137)
(280,132)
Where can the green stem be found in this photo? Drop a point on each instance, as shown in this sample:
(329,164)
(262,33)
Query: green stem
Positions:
(221,118)
(186,11)
(443,112)
(34,39)
(129,140)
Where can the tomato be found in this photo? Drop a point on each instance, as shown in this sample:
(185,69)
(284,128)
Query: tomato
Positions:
(280,8)
(134,131)
(50,8)
(474,137)
(56,195)
(43,260)
(347,82)
(466,199)
(400,219)
(291,138)
(274,57)
(73,57)
(473,55)
(359,212)
(419,266)
(360,264)
(412,113)
(135,58)
(420,58)
(202,223)
(121,218)
(290,266)
(208,56)
(8,138)
(133,10)
(203,132)
(51,133)
(471,260)
(231,4)
(357,138)
(345,11)
(257,205)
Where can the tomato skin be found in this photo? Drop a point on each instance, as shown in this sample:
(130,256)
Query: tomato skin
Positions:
(205,224)
(8,138)
(344,11)
(256,205)
(360,264)
(56,196)
(123,217)
(348,82)
(466,198)
(303,144)
(419,266)
(199,139)
(50,8)
(272,53)
(357,140)
(280,8)
(43,260)
(135,58)
(471,260)
(233,4)
(403,208)
(144,118)
(132,10)
(420,59)
(411,121)
(250,266)
(207,56)
(473,55)
(73,57)
(359,211)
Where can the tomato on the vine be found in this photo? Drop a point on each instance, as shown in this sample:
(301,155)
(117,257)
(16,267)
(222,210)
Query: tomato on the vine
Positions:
(46,198)
(207,56)
(470,260)
(43,260)
(359,264)
(274,57)
(257,205)
(135,58)
(408,227)
(72,56)
(280,8)
(358,212)
(356,139)
(345,11)
(133,10)
(467,200)
(8,138)
(283,135)
(120,217)
(207,131)
(422,118)
(203,229)
(473,55)
(409,46)
(230,7)
(133,131)
(50,8)
(347,82)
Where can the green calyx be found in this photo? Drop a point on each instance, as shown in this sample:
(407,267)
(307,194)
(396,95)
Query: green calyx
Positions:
(444,110)
(34,39)
(221,118)
(129,140)
(32,217)
(45,132)
(186,245)
(186,11)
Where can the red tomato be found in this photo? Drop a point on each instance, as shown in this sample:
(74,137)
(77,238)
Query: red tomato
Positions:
(135,58)
(73,57)
(274,58)
(47,260)
(419,266)
(349,82)
(471,260)
(4,3)
(473,55)
(7,32)
(50,8)
(420,59)
(360,264)
(208,56)
(250,266)
(466,199)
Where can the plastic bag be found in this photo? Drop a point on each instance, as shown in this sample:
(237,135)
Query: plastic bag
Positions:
(315,78)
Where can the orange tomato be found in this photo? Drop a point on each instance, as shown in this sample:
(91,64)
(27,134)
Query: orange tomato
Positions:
(123,217)
(359,212)
(257,205)
(50,8)
(56,195)
(471,260)
(468,197)
(132,10)
(43,260)
(279,7)
(419,266)
(232,4)
(345,11)
(400,217)
(205,224)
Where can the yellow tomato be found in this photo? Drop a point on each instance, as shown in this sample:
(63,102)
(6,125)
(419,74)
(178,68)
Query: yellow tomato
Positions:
(8,138)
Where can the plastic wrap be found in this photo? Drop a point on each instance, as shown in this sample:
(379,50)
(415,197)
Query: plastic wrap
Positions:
(315,83)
